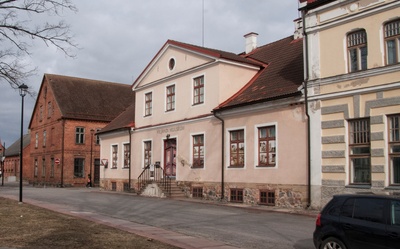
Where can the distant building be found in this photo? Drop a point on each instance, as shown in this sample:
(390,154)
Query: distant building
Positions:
(67,114)
(12,159)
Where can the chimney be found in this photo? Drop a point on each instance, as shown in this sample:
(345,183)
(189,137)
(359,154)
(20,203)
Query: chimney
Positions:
(251,41)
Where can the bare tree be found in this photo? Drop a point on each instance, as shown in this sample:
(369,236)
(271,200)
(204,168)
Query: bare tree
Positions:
(18,30)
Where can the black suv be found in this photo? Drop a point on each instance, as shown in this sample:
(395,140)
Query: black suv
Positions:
(359,221)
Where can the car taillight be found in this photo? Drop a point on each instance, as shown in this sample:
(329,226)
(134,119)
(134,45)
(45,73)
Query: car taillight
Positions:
(318,220)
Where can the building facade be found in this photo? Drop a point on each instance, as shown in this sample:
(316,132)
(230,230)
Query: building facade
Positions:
(352,77)
(67,114)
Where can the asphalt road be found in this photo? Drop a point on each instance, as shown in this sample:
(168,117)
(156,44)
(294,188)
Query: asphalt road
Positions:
(238,227)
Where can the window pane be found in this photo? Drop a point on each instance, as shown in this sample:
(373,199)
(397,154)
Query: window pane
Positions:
(395,213)
(364,53)
(353,60)
(360,150)
(396,170)
(391,51)
(361,170)
(369,210)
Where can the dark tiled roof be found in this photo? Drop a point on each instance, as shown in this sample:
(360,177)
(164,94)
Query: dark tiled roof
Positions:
(87,99)
(281,77)
(13,150)
(215,53)
(125,120)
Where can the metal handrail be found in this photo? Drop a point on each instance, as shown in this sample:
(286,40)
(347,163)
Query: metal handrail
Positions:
(158,176)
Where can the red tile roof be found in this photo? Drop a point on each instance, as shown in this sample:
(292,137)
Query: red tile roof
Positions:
(282,76)
(124,121)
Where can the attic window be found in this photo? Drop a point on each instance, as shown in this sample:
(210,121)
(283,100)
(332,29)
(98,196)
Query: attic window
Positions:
(171,64)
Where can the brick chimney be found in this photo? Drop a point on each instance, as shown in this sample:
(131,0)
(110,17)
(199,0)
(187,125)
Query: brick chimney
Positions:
(251,41)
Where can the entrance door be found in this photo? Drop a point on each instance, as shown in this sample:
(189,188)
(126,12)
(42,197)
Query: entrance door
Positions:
(96,179)
(170,157)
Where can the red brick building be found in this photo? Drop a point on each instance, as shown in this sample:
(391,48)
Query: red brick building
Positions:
(11,162)
(68,112)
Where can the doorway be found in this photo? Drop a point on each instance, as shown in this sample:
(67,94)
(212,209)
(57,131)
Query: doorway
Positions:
(170,157)
(96,179)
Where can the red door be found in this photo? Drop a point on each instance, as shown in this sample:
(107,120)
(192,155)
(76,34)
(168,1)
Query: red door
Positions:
(170,157)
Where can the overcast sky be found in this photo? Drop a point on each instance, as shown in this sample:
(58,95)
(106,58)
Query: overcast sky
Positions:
(117,39)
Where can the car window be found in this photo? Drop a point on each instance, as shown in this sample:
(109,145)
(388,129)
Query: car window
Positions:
(395,213)
(347,208)
(369,209)
(334,207)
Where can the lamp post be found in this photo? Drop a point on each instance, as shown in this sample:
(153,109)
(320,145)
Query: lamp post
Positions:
(91,155)
(3,158)
(22,92)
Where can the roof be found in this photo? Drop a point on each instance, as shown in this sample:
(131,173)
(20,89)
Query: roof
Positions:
(14,149)
(280,78)
(218,54)
(123,121)
(87,99)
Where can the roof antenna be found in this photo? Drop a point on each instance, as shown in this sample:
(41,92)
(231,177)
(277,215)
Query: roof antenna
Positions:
(202,29)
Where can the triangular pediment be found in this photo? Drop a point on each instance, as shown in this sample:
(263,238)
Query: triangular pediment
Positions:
(172,60)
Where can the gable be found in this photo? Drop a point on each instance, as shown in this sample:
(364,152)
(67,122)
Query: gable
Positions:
(162,67)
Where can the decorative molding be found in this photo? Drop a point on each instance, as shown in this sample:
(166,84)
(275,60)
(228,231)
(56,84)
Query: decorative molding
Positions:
(377,152)
(332,124)
(380,103)
(333,169)
(333,183)
(376,119)
(333,154)
(332,139)
(336,109)
(377,136)
(378,169)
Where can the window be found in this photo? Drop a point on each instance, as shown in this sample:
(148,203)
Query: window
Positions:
(79,135)
(198,151)
(148,104)
(52,167)
(41,113)
(114,156)
(52,137)
(79,167)
(171,64)
(97,139)
(171,98)
(395,213)
(36,140)
(369,209)
(197,192)
(49,109)
(127,155)
(266,146)
(394,149)
(43,167)
(267,197)
(237,148)
(237,195)
(357,50)
(113,186)
(198,90)
(126,187)
(360,151)
(44,138)
(35,171)
(392,41)
(147,153)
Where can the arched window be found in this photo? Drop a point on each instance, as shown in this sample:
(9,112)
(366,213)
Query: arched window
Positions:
(392,42)
(357,50)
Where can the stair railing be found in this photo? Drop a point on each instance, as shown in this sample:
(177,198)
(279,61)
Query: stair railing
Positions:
(154,173)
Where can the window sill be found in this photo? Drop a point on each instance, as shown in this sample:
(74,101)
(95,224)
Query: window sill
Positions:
(360,186)
(265,166)
(197,167)
(236,167)
(393,187)
(113,168)
(122,168)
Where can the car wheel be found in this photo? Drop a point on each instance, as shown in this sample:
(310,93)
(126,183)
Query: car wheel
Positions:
(332,243)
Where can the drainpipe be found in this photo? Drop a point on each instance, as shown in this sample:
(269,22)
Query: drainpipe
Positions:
(130,156)
(223,156)
(62,153)
(303,14)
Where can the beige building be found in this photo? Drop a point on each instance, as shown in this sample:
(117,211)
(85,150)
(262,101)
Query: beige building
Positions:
(352,77)
(218,124)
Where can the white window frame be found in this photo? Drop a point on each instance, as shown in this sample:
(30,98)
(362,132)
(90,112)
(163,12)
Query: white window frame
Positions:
(204,89)
(166,97)
(144,104)
(256,127)
(228,150)
(123,152)
(151,151)
(191,149)
(112,156)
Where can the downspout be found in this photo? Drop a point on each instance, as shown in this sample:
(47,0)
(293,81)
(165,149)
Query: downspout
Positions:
(223,156)
(130,156)
(303,13)
(62,153)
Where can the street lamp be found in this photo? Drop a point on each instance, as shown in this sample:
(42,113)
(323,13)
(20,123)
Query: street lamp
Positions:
(22,92)
(91,155)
